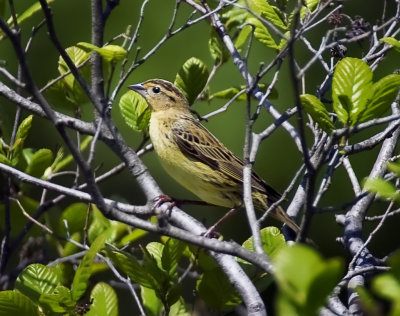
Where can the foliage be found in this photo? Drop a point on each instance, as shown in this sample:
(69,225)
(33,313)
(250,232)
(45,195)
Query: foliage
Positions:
(84,238)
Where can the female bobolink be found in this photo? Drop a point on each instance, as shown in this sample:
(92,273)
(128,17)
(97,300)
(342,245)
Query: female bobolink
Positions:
(196,158)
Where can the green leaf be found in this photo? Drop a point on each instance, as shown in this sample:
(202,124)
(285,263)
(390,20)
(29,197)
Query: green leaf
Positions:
(39,162)
(70,247)
(59,301)
(130,266)
(75,216)
(369,305)
(135,111)
(22,134)
(110,53)
(62,163)
(172,252)
(28,13)
(216,290)
(84,271)
(311,4)
(381,187)
(388,286)
(235,16)
(15,303)
(192,78)
(151,302)
(133,236)
(217,48)
(392,41)
(267,11)
(242,37)
(394,167)
(104,301)
(153,265)
(179,308)
(308,7)
(77,55)
(37,279)
(5,160)
(383,94)
(304,279)
(318,112)
(69,86)
(272,241)
(100,225)
(261,33)
(352,82)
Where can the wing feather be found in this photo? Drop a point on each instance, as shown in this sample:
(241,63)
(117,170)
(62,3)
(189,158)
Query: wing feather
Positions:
(196,142)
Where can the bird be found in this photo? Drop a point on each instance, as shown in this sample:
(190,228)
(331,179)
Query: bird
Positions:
(195,158)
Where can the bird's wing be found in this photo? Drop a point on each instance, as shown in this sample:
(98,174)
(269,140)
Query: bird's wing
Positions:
(196,142)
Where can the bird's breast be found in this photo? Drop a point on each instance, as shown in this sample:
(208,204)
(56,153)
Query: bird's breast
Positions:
(195,176)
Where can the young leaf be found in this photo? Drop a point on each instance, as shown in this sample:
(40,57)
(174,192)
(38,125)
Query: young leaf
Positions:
(84,271)
(172,252)
(383,94)
(5,160)
(75,216)
(135,111)
(234,17)
(35,280)
(387,286)
(318,112)
(15,303)
(179,308)
(263,8)
(216,290)
(381,187)
(69,86)
(60,163)
(304,279)
(217,49)
(130,266)
(110,53)
(392,41)
(151,302)
(192,78)
(272,242)
(104,301)
(39,162)
(59,301)
(261,33)
(28,13)
(394,167)
(352,81)
(77,55)
(22,134)
(242,37)
(152,264)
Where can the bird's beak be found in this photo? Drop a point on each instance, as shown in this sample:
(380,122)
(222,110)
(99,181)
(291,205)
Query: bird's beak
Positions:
(139,88)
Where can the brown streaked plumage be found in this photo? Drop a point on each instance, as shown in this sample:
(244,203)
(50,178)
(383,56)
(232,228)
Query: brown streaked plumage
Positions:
(196,158)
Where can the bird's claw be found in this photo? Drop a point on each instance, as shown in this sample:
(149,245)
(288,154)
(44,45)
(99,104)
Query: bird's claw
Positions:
(163,198)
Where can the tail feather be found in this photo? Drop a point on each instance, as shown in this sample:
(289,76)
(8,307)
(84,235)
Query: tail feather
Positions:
(281,215)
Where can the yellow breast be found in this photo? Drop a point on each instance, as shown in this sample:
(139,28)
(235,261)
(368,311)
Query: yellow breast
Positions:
(195,176)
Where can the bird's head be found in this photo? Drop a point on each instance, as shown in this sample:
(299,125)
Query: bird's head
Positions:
(161,95)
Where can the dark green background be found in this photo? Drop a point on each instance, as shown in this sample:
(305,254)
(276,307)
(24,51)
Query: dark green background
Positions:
(278,158)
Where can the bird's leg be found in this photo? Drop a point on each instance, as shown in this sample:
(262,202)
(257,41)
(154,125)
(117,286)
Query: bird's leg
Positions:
(175,202)
(211,232)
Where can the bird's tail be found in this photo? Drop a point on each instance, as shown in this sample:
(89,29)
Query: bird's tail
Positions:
(279,213)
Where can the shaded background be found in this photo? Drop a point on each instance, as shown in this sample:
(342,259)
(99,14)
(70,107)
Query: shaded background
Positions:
(278,158)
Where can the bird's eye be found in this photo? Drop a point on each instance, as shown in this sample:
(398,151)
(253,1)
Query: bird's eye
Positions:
(156,90)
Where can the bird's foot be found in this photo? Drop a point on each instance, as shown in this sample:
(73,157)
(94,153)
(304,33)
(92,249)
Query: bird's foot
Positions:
(163,198)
